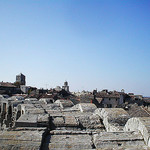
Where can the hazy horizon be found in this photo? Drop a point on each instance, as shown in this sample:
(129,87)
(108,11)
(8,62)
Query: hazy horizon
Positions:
(101,44)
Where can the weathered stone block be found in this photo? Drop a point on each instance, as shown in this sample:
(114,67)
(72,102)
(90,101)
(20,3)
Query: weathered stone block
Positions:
(89,121)
(64,103)
(58,121)
(141,124)
(118,139)
(114,119)
(71,121)
(21,139)
(70,142)
(86,107)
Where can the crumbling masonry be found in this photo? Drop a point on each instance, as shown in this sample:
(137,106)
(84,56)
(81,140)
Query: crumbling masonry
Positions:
(38,124)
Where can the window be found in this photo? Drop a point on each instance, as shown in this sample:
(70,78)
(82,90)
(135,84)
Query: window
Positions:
(109,105)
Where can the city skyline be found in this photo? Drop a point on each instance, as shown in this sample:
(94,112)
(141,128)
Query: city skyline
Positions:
(99,44)
(61,86)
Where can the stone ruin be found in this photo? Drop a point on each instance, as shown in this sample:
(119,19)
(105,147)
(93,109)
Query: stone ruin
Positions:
(34,124)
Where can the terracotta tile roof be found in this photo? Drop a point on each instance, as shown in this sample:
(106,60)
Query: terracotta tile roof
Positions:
(7,84)
(107,95)
(146,99)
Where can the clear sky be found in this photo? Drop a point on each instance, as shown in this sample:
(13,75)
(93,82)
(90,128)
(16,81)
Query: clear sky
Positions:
(103,44)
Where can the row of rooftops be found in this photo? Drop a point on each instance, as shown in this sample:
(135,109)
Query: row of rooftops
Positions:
(63,94)
(146,99)
(99,94)
(107,95)
(7,84)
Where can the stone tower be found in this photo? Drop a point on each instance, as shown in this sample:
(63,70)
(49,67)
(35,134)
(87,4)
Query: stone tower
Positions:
(21,79)
(65,87)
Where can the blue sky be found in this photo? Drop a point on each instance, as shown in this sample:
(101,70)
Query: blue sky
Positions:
(103,44)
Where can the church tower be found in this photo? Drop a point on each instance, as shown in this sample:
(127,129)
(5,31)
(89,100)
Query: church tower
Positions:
(65,87)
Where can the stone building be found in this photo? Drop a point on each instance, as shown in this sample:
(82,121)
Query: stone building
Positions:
(8,88)
(21,79)
(107,99)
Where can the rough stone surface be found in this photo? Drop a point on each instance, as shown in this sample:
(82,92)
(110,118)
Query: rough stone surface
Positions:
(69,142)
(125,148)
(70,132)
(141,124)
(136,111)
(114,119)
(68,126)
(21,139)
(117,139)
(71,121)
(87,107)
(58,121)
(32,120)
(91,121)
(64,103)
